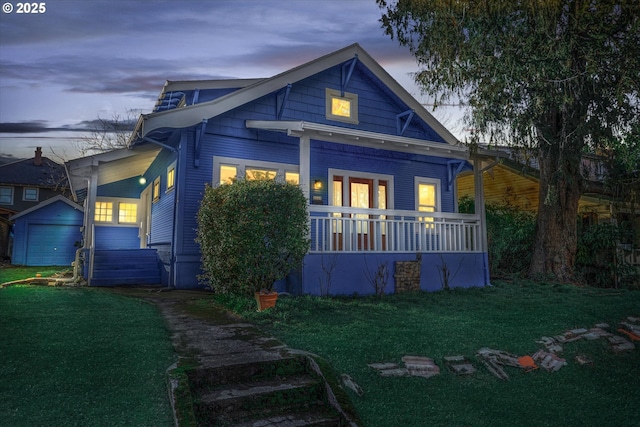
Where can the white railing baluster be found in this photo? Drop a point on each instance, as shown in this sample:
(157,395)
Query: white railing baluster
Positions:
(344,229)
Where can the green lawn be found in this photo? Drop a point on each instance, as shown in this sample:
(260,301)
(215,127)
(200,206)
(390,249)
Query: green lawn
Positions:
(350,333)
(81,357)
(10,273)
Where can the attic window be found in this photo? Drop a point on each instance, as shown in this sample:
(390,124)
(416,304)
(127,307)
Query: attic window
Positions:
(341,107)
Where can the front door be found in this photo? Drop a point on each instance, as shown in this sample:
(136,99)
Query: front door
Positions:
(361,191)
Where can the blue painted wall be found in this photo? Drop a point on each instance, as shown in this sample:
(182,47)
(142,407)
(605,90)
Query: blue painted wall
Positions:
(112,237)
(350,273)
(47,236)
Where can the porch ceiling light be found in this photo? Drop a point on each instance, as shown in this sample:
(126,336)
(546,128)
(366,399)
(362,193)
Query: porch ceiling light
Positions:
(142,180)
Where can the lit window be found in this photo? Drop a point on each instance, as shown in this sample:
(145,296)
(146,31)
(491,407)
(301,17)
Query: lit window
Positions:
(292,177)
(30,194)
(253,174)
(128,213)
(228,174)
(6,195)
(104,212)
(341,107)
(171,178)
(427,197)
(156,189)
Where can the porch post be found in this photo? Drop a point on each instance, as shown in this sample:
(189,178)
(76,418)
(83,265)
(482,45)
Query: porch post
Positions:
(478,186)
(90,209)
(305,165)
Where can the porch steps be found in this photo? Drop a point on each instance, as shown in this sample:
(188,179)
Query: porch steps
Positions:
(125,267)
(273,393)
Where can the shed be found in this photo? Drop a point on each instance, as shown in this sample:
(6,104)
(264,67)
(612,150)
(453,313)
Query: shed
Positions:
(48,233)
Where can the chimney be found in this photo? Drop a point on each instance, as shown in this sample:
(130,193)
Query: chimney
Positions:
(37,160)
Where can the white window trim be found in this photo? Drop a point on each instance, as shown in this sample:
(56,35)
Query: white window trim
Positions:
(170,189)
(12,195)
(376,177)
(243,164)
(424,180)
(115,212)
(353,99)
(24,194)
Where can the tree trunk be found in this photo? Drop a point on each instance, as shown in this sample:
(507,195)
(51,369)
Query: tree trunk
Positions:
(556,227)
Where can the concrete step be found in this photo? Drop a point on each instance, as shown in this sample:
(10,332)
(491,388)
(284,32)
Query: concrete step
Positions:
(308,418)
(260,398)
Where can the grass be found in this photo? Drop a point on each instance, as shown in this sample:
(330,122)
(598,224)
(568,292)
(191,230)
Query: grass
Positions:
(79,357)
(10,273)
(350,333)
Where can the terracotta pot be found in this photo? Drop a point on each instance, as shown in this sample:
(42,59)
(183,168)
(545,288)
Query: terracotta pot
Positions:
(266,300)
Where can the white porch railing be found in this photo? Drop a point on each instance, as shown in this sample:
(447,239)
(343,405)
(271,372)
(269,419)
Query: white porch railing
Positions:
(345,229)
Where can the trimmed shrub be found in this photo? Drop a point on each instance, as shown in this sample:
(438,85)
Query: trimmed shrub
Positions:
(251,234)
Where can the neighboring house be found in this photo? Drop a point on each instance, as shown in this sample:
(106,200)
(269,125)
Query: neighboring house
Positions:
(48,233)
(514,182)
(377,168)
(23,185)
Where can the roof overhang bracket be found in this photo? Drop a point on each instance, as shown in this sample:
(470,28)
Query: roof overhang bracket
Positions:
(199,134)
(454,167)
(407,116)
(346,74)
(281,100)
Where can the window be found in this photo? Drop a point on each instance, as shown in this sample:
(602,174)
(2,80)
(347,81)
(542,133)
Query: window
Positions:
(30,194)
(6,195)
(427,196)
(252,174)
(128,213)
(228,174)
(292,177)
(104,212)
(226,169)
(117,211)
(171,177)
(341,107)
(156,189)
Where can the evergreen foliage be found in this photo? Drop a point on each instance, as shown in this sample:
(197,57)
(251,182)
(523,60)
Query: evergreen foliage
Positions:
(251,234)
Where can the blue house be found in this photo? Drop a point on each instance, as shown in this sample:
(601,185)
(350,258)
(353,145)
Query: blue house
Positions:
(47,233)
(378,170)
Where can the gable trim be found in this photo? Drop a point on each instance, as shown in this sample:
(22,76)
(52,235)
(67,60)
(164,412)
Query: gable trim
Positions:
(193,114)
(58,198)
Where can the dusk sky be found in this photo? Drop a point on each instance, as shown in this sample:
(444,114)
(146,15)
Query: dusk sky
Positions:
(79,60)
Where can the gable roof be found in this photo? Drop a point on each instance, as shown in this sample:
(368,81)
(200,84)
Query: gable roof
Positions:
(191,115)
(25,173)
(48,202)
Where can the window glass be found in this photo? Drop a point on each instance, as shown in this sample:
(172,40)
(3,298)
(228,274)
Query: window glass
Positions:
(252,174)
(6,195)
(156,189)
(426,197)
(128,213)
(171,178)
(228,174)
(292,177)
(31,194)
(341,107)
(104,212)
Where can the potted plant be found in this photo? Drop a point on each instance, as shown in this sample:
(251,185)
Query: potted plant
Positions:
(251,234)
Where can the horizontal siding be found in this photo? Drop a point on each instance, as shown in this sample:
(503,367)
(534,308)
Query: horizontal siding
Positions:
(108,237)
(162,210)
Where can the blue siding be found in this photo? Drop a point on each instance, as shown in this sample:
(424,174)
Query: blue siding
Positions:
(162,210)
(350,277)
(110,237)
(47,236)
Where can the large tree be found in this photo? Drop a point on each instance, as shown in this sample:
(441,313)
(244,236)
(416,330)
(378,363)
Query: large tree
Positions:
(557,76)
